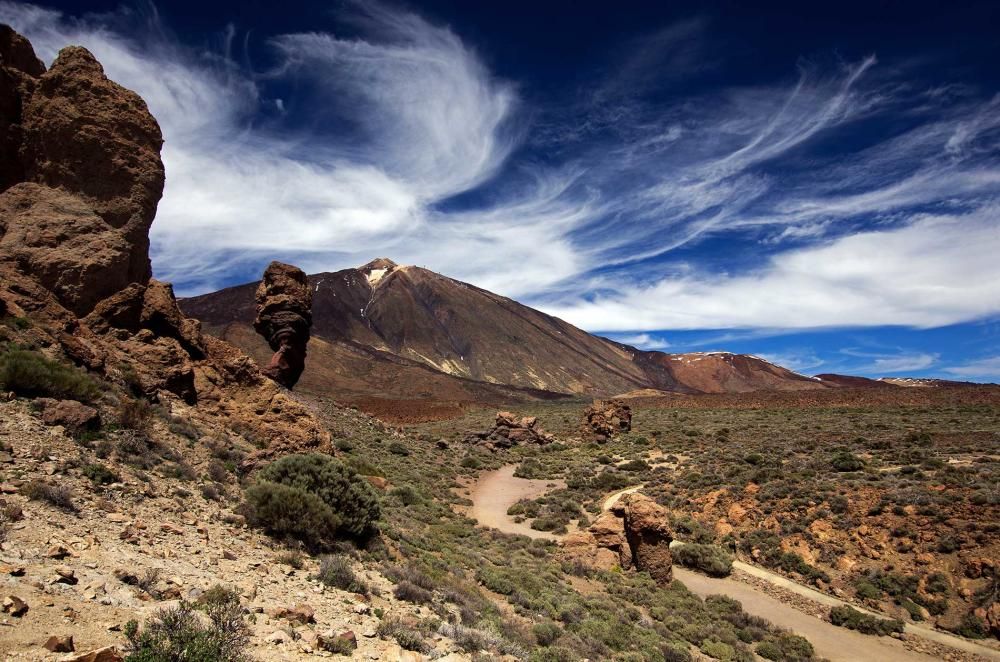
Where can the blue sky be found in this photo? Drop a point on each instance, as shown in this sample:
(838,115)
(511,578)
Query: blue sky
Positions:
(819,186)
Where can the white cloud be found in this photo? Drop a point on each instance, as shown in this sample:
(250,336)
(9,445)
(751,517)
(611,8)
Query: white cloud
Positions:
(643,341)
(373,134)
(987,368)
(940,269)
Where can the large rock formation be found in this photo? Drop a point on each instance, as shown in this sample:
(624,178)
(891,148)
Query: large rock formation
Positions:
(633,534)
(509,430)
(284,315)
(647,531)
(606,418)
(82,162)
(80,178)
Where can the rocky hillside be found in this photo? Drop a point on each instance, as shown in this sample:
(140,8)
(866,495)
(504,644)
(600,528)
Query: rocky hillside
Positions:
(387,322)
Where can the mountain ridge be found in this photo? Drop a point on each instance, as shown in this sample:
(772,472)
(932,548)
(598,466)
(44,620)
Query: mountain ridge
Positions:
(481,343)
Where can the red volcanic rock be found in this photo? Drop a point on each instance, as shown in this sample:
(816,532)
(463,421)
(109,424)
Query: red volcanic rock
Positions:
(18,70)
(88,135)
(648,535)
(59,240)
(284,315)
(80,177)
(604,419)
(509,430)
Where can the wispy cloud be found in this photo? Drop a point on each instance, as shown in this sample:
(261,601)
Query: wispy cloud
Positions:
(878,363)
(986,368)
(642,340)
(400,141)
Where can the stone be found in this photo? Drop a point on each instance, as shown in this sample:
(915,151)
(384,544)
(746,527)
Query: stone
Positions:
(15,606)
(284,317)
(162,316)
(509,430)
(60,643)
(58,552)
(300,613)
(70,414)
(648,534)
(106,654)
(606,418)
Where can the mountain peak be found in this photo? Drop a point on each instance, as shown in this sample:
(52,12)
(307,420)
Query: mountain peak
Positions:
(378,263)
(377,269)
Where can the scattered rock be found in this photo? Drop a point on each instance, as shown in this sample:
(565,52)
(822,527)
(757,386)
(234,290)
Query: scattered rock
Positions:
(15,606)
(58,552)
(284,316)
(60,643)
(509,431)
(70,414)
(301,613)
(106,654)
(606,418)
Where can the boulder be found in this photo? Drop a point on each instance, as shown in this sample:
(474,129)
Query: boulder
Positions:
(284,316)
(648,534)
(106,654)
(510,430)
(15,606)
(606,418)
(70,414)
(59,643)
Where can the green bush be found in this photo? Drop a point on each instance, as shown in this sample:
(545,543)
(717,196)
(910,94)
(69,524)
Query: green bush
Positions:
(785,647)
(710,559)
(32,375)
(546,634)
(851,618)
(336,571)
(287,511)
(318,488)
(100,474)
(845,461)
(178,634)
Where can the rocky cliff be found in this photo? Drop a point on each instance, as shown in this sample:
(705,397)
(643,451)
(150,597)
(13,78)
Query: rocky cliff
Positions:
(80,178)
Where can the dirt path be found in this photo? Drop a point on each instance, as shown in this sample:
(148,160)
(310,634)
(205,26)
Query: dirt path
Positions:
(496,491)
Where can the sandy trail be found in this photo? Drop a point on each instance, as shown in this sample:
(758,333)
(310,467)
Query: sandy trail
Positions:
(496,491)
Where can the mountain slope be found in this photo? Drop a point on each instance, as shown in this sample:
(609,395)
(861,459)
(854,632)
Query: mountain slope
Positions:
(381,326)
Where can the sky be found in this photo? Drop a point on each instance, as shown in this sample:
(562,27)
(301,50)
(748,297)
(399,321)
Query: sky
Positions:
(814,183)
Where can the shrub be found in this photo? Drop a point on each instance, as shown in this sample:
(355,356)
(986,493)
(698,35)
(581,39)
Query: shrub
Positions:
(135,415)
(710,559)
(317,487)
(851,618)
(407,495)
(286,511)
(546,634)
(634,465)
(59,496)
(100,474)
(399,448)
(31,374)
(409,639)
(845,461)
(336,571)
(785,647)
(718,649)
(178,634)
(412,593)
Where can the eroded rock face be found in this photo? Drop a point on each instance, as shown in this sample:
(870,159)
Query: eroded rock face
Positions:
(648,534)
(606,418)
(510,430)
(633,534)
(80,178)
(81,174)
(284,316)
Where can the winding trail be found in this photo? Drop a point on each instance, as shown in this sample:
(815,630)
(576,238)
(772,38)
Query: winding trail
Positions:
(495,491)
